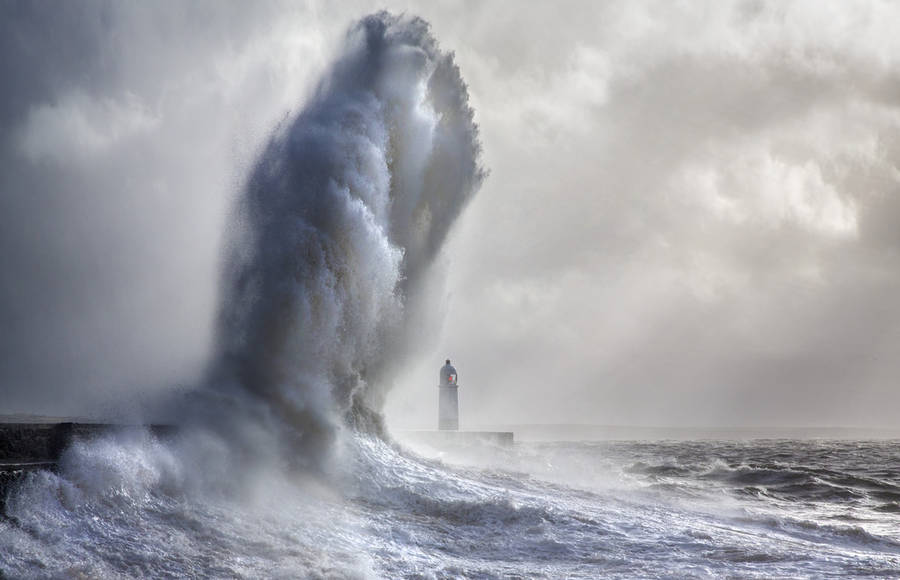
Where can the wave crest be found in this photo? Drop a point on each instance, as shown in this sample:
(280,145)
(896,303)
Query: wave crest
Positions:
(337,226)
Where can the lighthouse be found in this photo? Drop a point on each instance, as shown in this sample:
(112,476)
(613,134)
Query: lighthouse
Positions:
(448,436)
(448,401)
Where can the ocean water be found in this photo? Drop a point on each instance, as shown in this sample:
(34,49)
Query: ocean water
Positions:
(126,506)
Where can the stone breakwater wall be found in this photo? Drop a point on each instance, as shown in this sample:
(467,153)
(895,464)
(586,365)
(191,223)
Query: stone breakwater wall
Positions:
(28,446)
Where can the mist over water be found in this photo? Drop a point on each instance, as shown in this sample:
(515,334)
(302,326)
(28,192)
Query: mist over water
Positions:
(339,221)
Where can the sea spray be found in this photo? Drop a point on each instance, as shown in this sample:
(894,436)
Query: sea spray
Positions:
(337,225)
(340,219)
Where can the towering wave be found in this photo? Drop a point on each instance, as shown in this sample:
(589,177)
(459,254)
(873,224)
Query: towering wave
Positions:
(338,223)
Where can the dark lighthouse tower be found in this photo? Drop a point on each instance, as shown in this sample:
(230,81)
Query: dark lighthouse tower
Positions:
(448,402)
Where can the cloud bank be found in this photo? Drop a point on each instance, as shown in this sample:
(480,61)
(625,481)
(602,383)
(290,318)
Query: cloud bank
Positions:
(692,216)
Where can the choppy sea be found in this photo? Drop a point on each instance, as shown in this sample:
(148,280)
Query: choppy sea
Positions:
(127,507)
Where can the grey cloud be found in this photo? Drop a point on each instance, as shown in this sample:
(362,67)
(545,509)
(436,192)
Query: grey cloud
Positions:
(651,246)
(632,299)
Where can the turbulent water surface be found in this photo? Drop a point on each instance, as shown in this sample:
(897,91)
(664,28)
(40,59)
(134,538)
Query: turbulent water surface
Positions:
(612,509)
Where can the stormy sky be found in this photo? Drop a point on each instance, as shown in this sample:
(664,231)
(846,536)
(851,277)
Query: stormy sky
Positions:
(692,216)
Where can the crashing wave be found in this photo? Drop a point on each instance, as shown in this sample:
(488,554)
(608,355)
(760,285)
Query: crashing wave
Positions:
(339,221)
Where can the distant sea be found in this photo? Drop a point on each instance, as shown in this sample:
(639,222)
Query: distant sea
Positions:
(590,432)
